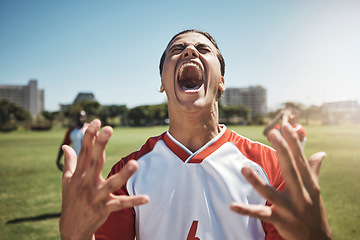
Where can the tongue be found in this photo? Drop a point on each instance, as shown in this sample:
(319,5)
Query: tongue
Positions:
(190,78)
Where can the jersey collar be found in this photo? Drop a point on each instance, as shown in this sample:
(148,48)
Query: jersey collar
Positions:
(197,157)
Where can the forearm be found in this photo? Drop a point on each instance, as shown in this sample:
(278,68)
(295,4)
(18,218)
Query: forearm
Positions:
(272,124)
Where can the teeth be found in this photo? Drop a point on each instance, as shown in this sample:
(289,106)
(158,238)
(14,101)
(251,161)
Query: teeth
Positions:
(188,82)
(189,64)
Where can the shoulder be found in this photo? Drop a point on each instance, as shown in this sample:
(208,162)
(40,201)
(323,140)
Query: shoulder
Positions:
(67,139)
(250,148)
(261,154)
(300,129)
(146,148)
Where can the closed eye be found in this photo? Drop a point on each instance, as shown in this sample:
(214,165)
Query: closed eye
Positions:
(177,48)
(203,48)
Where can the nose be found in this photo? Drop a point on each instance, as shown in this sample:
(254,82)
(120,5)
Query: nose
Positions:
(190,51)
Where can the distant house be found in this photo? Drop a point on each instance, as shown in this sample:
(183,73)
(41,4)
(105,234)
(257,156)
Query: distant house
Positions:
(82,96)
(27,96)
(340,111)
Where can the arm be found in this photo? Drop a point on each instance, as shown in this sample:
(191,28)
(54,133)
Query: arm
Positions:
(273,123)
(87,198)
(58,163)
(66,141)
(298,212)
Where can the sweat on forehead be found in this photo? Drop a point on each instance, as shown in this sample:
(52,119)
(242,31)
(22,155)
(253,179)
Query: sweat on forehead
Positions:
(207,35)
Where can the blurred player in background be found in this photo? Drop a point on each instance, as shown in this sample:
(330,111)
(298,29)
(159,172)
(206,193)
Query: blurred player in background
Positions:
(290,115)
(73,136)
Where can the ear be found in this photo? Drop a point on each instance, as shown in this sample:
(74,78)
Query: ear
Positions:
(222,84)
(162,89)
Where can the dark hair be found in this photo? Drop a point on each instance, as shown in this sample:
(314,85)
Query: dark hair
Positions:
(208,36)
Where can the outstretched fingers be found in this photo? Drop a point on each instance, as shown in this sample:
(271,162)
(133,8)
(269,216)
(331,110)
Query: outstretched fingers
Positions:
(265,190)
(113,183)
(315,163)
(87,145)
(117,180)
(274,197)
(287,163)
(302,165)
(97,159)
(121,202)
(264,213)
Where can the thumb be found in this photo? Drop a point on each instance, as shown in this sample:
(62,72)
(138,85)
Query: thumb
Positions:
(315,163)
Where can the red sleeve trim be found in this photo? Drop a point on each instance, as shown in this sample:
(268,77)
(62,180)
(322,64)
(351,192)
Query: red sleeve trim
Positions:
(261,154)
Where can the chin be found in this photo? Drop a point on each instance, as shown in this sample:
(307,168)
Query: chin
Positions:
(193,106)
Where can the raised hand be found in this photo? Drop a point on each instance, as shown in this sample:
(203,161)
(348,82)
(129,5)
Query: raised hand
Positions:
(87,198)
(298,212)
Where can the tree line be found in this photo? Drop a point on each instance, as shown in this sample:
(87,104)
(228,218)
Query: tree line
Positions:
(13,116)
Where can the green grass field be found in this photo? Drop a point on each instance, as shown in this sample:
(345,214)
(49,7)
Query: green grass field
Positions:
(30,192)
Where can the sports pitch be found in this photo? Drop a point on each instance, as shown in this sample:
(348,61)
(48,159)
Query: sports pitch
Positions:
(30,192)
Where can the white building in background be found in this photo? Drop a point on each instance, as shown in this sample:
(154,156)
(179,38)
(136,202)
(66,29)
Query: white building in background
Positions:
(29,96)
(254,97)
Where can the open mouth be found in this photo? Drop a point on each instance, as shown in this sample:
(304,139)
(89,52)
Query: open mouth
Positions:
(190,76)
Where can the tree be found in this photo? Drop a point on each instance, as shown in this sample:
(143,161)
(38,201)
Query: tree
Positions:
(113,115)
(148,115)
(140,116)
(49,116)
(235,114)
(92,109)
(11,115)
(312,112)
(257,119)
(43,121)
(160,113)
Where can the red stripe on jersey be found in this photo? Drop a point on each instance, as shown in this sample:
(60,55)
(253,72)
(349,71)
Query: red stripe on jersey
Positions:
(146,148)
(176,149)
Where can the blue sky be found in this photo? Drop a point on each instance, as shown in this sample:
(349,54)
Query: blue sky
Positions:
(302,51)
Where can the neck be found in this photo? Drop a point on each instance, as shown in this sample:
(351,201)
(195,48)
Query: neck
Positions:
(194,130)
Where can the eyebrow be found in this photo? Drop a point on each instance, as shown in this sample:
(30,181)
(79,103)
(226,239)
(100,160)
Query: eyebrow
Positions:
(181,45)
(184,45)
(200,45)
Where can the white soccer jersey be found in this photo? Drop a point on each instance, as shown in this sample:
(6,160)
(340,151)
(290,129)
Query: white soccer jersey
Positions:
(190,193)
